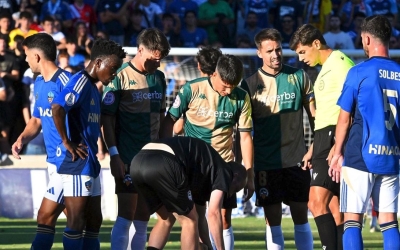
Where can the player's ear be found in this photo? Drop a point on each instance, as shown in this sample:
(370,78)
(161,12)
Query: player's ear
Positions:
(98,62)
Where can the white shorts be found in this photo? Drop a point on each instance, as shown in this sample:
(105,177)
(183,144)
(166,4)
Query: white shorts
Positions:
(80,185)
(358,186)
(55,191)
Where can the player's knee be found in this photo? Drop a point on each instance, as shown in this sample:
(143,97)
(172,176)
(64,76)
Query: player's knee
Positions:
(317,207)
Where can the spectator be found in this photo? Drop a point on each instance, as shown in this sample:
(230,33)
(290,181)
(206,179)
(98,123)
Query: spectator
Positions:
(355,31)
(134,27)
(36,6)
(287,30)
(63,60)
(392,20)
(284,7)
(193,36)
(251,28)
(111,13)
(349,9)
(336,38)
(102,34)
(5,22)
(25,20)
(22,7)
(84,12)
(59,37)
(83,39)
(214,17)
(317,12)
(249,64)
(75,59)
(58,9)
(8,6)
(180,7)
(383,7)
(261,9)
(152,13)
(171,27)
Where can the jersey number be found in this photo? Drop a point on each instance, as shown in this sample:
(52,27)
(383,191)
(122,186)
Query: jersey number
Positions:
(390,107)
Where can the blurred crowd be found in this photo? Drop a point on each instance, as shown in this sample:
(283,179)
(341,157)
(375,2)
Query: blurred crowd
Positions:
(74,24)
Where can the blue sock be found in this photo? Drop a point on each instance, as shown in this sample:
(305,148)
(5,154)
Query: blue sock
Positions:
(352,238)
(303,237)
(72,240)
(44,237)
(390,232)
(120,234)
(91,240)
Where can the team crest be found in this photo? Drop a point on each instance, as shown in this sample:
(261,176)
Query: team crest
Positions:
(109,98)
(263,193)
(321,85)
(88,185)
(177,102)
(50,97)
(292,79)
(132,82)
(190,195)
(70,99)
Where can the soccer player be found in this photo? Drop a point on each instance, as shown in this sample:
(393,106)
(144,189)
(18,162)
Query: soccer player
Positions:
(367,164)
(41,51)
(76,159)
(213,106)
(132,108)
(176,173)
(311,47)
(278,94)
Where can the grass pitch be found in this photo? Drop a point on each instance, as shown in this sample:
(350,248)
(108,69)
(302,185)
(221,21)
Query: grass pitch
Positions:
(249,234)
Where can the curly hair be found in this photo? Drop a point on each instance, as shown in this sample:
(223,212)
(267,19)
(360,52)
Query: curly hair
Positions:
(102,47)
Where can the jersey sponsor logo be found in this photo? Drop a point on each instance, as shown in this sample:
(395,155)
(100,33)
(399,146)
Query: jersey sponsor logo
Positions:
(88,185)
(190,197)
(45,112)
(70,99)
(93,117)
(203,96)
(177,102)
(92,102)
(285,97)
(206,112)
(391,75)
(140,96)
(377,149)
(109,98)
(50,97)
(263,193)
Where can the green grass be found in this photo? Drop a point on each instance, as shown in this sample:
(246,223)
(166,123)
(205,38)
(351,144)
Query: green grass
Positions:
(249,234)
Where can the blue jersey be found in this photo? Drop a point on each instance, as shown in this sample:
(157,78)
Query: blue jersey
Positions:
(371,94)
(81,100)
(44,93)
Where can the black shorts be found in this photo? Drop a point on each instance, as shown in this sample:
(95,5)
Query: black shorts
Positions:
(282,185)
(160,180)
(324,139)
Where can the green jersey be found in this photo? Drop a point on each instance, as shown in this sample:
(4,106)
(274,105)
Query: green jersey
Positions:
(136,99)
(210,116)
(277,103)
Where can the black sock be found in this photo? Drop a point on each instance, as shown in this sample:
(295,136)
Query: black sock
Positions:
(340,230)
(327,231)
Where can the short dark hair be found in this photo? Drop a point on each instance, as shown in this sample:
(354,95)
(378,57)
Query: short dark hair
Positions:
(167,15)
(48,19)
(154,40)
(378,26)
(208,57)
(306,35)
(190,11)
(103,47)
(26,14)
(43,42)
(5,14)
(267,34)
(230,68)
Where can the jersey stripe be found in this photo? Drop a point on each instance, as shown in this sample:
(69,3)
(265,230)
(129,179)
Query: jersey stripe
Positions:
(63,78)
(80,84)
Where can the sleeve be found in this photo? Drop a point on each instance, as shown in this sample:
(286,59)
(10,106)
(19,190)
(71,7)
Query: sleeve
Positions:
(308,90)
(343,69)
(181,103)
(164,101)
(347,99)
(245,122)
(73,94)
(112,96)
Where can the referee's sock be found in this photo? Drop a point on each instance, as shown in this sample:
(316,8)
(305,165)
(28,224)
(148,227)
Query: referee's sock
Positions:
(352,238)
(139,239)
(303,237)
(228,238)
(120,233)
(390,232)
(72,240)
(91,239)
(327,231)
(44,237)
(274,238)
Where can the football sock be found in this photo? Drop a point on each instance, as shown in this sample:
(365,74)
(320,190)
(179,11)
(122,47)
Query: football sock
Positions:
(91,240)
(139,239)
(228,238)
(390,232)
(274,238)
(339,230)
(352,238)
(327,231)
(72,240)
(44,238)
(120,234)
(303,237)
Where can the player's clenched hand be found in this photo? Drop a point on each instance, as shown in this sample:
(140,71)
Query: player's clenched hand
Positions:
(16,148)
(76,150)
(249,189)
(117,167)
(335,167)
(306,162)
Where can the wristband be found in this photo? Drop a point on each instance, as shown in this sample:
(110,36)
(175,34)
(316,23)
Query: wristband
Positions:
(113,151)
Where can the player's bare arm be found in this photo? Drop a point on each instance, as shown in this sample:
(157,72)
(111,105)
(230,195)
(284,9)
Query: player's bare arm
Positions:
(215,218)
(246,145)
(59,115)
(167,126)
(31,130)
(116,164)
(306,161)
(342,128)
